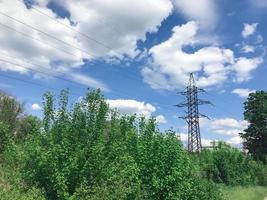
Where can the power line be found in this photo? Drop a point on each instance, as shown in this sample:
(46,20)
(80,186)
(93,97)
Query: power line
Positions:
(41,85)
(38,71)
(224,109)
(38,84)
(40,31)
(47,34)
(116,93)
(130,75)
(48,74)
(33,38)
(69,27)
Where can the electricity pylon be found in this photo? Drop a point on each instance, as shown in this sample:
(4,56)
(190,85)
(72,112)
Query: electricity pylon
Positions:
(192,115)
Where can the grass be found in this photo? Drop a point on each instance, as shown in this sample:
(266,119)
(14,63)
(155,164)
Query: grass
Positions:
(245,193)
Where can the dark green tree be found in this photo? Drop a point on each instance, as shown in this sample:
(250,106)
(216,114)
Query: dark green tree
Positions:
(255,135)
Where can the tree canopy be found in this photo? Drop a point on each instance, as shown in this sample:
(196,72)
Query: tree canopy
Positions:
(255,136)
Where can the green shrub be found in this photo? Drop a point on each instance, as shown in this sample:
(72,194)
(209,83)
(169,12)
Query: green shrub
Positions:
(4,136)
(230,166)
(91,152)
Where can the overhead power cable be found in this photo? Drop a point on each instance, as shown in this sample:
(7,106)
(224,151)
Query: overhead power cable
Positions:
(37,84)
(38,40)
(67,26)
(42,32)
(115,93)
(47,34)
(130,75)
(133,75)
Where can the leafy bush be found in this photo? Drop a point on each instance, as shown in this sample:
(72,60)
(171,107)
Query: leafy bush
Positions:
(230,166)
(11,184)
(4,137)
(91,152)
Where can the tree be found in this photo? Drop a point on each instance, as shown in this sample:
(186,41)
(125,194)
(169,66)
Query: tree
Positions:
(255,135)
(10,110)
(87,151)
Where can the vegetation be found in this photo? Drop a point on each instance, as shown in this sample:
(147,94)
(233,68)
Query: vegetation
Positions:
(256,134)
(245,193)
(88,151)
(229,166)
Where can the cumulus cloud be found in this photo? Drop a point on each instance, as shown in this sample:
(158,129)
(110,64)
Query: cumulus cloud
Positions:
(228,127)
(225,126)
(130,106)
(203,11)
(244,66)
(170,64)
(113,29)
(242,92)
(161,119)
(249,29)
(184,138)
(36,106)
(235,141)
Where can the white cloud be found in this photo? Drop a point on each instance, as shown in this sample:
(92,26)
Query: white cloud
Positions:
(224,126)
(242,92)
(204,141)
(170,63)
(249,29)
(161,119)
(130,21)
(244,66)
(36,106)
(248,49)
(129,106)
(203,11)
(228,127)
(118,24)
(235,141)
(86,80)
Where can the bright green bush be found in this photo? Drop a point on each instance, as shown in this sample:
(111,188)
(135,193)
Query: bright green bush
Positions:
(90,152)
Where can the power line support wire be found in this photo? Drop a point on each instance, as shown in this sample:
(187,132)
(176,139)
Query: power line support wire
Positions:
(192,115)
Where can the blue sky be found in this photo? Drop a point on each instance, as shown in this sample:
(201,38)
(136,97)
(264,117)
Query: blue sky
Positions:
(139,54)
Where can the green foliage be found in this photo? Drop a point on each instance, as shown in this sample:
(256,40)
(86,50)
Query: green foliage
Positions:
(4,137)
(10,110)
(256,134)
(88,151)
(27,125)
(230,166)
(11,184)
(245,193)
(14,125)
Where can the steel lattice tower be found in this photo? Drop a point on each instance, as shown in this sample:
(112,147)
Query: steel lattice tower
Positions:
(192,114)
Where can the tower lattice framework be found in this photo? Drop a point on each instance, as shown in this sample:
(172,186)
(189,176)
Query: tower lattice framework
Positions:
(192,114)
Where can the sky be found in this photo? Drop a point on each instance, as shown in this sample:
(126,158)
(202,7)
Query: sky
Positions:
(140,53)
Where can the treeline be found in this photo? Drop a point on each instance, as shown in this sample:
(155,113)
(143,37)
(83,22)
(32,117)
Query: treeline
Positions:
(88,151)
